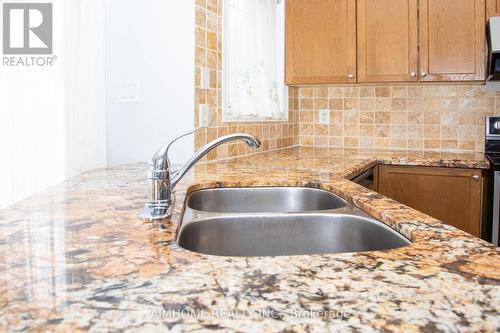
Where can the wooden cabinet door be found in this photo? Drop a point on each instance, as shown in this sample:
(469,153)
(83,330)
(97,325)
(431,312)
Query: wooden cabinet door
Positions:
(452,40)
(320,41)
(387,40)
(492,8)
(453,196)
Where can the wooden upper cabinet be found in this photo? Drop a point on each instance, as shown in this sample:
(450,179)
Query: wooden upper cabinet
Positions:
(387,40)
(320,41)
(452,40)
(492,8)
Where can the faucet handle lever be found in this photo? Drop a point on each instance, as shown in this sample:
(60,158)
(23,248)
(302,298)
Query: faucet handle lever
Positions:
(191,131)
(160,158)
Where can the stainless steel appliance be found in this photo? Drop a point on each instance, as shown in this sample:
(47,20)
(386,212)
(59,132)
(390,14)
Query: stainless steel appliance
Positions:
(494,48)
(492,152)
(365,179)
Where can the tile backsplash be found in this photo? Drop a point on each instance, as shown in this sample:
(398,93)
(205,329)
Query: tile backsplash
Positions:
(208,53)
(413,116)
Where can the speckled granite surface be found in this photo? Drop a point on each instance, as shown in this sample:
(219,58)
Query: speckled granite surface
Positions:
(78,258)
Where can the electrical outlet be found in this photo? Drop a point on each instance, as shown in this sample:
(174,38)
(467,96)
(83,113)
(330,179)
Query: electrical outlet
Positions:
(203,114)
(204,78)
(324,117)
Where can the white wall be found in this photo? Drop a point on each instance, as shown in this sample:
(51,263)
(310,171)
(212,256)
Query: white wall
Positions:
(151,41)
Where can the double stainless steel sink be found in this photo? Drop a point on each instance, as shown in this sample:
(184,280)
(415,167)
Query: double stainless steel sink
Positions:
(275,221)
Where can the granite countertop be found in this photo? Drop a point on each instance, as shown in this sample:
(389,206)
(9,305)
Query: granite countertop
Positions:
(77,257)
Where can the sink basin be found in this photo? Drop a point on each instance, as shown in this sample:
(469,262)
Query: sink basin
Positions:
(264,200)
(287,234)
(276,221)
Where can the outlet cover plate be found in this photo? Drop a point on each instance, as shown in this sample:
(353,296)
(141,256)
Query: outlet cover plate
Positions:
(324,117)
(203,113)
(204,78)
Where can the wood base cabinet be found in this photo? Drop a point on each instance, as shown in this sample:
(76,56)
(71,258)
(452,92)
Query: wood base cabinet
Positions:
(454,196)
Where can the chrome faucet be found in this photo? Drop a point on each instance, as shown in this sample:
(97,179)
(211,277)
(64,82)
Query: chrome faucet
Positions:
(162,180)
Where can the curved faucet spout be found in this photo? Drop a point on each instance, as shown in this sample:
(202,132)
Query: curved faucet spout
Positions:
(250,140)
(162,180)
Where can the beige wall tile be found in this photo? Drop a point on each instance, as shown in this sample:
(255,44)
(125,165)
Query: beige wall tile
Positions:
(449,144)
(351,91)
(382,91)
(382,131)
(351,130)
(432,132)
(382,117)
(320,103)
(415,144)
(397,92)
(337,92)
(320,130)
(336,141)
(398,117)
(306,104)
(367,91)
(321,141)
(351,104)
(399,143)
(382,143)
(350,142)
(415,91)
(432,144)
(351,116)
(336,130)
(366,130)
(336,117)
(336,103)
(382,104)
(321,92)
(432,117)
(366,142)
(367,103)
(366,117)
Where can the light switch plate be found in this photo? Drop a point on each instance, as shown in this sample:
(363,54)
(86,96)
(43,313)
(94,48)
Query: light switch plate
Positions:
(203,114)
(324,117)
(204,78)
(129,91)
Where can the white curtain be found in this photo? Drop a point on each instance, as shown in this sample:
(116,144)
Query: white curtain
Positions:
(252,55)
(52,119)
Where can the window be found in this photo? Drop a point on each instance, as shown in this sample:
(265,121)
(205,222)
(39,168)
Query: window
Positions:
(254,61)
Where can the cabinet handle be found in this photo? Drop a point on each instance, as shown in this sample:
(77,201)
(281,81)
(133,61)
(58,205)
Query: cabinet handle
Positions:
(424,74)
(413,74)
(350,76)
(476,178)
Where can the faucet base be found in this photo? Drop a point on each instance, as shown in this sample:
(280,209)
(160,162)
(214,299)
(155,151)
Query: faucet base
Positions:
(155,211)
